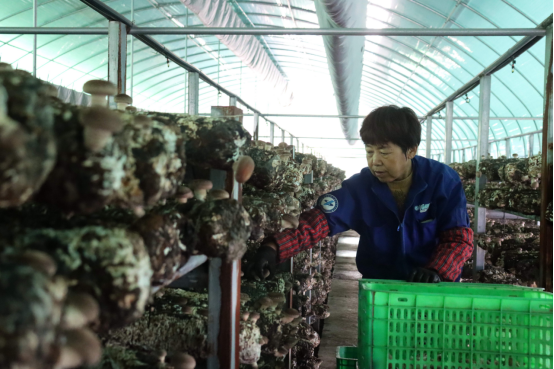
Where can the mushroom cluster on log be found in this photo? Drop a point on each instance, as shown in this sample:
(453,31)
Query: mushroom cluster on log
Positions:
(110,264)
(511,253)
(81,159)
(43,324)
(143,357)
(273,207)
(27,141)
(95,215)
(176,320)
(512,184)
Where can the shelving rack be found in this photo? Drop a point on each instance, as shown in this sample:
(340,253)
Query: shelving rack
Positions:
(483,80)
(223,326)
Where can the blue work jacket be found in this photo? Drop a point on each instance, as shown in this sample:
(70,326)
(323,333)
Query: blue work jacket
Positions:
(390,246)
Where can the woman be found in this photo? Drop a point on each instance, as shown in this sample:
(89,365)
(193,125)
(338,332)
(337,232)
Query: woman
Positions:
(410,211)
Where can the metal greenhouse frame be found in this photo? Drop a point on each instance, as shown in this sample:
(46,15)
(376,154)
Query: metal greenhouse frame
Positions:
(224,291)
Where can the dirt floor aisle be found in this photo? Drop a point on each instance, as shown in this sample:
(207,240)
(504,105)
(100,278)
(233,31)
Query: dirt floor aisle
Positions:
(341,328)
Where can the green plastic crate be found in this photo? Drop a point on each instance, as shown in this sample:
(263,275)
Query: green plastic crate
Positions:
(453,326)
(347,357)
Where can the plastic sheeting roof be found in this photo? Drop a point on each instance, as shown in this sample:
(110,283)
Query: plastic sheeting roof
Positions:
(415,71)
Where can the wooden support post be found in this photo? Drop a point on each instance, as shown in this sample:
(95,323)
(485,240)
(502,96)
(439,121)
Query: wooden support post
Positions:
(546,182)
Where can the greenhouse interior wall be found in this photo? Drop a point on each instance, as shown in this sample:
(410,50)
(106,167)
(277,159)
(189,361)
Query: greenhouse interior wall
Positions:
(133,243)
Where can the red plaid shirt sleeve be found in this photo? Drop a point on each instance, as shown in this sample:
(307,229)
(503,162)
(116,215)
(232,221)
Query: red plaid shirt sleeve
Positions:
(313,228)
(454,249)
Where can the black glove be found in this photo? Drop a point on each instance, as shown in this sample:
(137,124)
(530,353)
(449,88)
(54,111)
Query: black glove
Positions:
(424,276)
(264,262)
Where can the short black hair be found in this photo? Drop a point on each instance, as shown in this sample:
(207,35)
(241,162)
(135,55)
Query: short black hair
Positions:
(394,124)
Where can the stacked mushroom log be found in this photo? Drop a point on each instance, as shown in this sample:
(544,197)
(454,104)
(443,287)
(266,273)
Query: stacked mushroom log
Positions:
(512,253)
(92,205)
(512,184)
(511,246)
(274,197)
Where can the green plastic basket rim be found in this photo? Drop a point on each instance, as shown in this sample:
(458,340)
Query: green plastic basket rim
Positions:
(469,296)
(453,284)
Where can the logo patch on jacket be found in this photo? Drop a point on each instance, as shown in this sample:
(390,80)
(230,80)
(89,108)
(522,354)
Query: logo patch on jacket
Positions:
(422,208)
(329,203)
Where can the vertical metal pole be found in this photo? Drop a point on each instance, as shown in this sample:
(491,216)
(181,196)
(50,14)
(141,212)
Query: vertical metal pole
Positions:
(546,173)
(291,298)
(256,125)
(282,135)
(186,58)
(531,144)
(303,150)
(193,90)
(448,128)
(214,313)
(508,144)
(272,133)
(218,65)
(232,101)
(297,145)
(131,87)
(482,149)
(293,148)
(117,57)
(428,137)
(463,155)
(35,6)
(310,291)
(229,348)
(224,302)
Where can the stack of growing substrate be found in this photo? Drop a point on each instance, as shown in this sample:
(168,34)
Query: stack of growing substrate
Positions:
(94,217)
(274,196)
(267,321)
(511,252)
(511,245)
(512,184)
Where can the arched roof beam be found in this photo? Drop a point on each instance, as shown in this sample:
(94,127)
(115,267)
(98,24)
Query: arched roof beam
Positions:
(426,69)
(497,26)
(410,95)
(461,51)
(519,11)
(445,69)
(391,79)
(380,82)
(453,22)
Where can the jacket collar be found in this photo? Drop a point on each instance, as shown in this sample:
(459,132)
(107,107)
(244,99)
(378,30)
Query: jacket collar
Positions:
(419,184)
